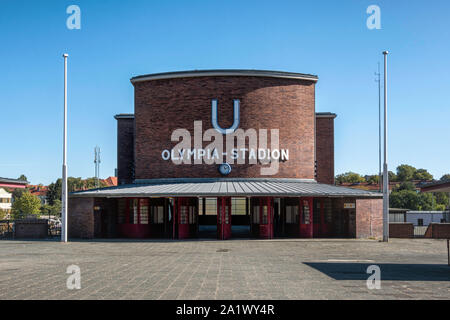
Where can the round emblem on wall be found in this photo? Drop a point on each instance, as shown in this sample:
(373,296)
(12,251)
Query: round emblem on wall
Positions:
(225,169)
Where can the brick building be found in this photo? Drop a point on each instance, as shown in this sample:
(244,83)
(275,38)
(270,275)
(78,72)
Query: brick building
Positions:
(225,153)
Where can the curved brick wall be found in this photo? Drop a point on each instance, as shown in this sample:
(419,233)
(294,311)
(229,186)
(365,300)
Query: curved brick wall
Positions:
(164,105)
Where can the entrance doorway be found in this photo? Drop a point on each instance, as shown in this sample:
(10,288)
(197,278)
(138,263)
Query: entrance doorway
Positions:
(233,223)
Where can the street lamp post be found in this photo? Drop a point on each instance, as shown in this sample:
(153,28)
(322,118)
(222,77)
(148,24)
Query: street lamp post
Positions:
(64,167)
(385,166)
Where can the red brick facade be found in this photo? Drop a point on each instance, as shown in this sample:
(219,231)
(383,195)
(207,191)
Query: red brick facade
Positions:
(125,148)
(161,106)
(81,217)
(325,148)
(369,218)
(401,230)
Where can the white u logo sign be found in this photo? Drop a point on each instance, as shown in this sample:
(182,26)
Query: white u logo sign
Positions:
(215,122)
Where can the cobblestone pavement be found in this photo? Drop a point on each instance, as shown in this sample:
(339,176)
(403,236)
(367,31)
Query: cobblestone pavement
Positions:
(234,269)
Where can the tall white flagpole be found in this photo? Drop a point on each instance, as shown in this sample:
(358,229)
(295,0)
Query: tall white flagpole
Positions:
(385,166)
(64,168)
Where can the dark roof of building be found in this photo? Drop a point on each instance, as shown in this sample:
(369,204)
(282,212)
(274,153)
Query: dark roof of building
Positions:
(13,181)
(227,187)
(224,72)
(438,186)
(326,115)
(124,116)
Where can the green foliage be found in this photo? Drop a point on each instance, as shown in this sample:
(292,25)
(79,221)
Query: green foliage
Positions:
(422,175)
(17,193)
(405,172)
(407,185)
(54,192)
(392,176)
(27,204)
(409,199)
(73,184)
(349,177)
(22,178)
(445,177)
(52,210)
(442,199)
(3,214)
(408,173)
(372,179)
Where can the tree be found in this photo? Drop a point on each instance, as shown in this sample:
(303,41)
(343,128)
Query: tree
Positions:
(27,204)
(442,199)
(17,193)
(349,177)
(22,178)
(407,185)
(392,176)
(422,175)
(52,210)
(372,179)
(410,199)
(404,199)
(54,191)
(405,172)
(3,214)
(445,177)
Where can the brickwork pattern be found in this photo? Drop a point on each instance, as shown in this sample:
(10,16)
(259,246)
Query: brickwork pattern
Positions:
(162,106)
(81,218)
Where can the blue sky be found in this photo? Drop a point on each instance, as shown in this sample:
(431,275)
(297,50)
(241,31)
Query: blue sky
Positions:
(121,39)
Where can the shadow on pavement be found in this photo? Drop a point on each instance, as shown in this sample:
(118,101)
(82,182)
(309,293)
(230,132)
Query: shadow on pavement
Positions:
(389,271)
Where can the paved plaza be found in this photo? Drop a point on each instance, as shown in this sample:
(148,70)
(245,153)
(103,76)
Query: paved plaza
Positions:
(234,269)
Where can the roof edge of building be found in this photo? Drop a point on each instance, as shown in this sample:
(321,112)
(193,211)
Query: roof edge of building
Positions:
(226,73)
(208,180)
(326,115)
(124,116)
(318,115)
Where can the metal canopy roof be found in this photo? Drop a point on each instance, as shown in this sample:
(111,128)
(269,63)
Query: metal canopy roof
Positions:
(228,187)
(225,72)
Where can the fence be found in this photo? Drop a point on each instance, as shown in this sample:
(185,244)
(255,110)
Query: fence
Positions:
(7,230)
(419,231)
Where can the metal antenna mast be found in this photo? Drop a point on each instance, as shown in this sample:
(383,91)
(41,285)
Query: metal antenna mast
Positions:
(97,165)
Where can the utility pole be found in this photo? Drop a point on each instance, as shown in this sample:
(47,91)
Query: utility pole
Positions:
(379,129)
(64,168)
(385,166)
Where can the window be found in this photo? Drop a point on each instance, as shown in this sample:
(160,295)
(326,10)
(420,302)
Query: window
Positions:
(264,215)
(133,211)
(184,214)
(306,219)
(327,210)
(192,214)
(157,214)
(143,211)
(211,206)
(121,212)
(291,214)
(420,222)
(238,206)
(255,218)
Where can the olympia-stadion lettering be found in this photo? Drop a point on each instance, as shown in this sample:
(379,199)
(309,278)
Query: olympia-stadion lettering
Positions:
(225,154)
(213,153)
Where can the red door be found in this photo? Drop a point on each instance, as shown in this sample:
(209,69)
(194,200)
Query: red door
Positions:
(186,217)
(223,218)
(266,218)
(306,218)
